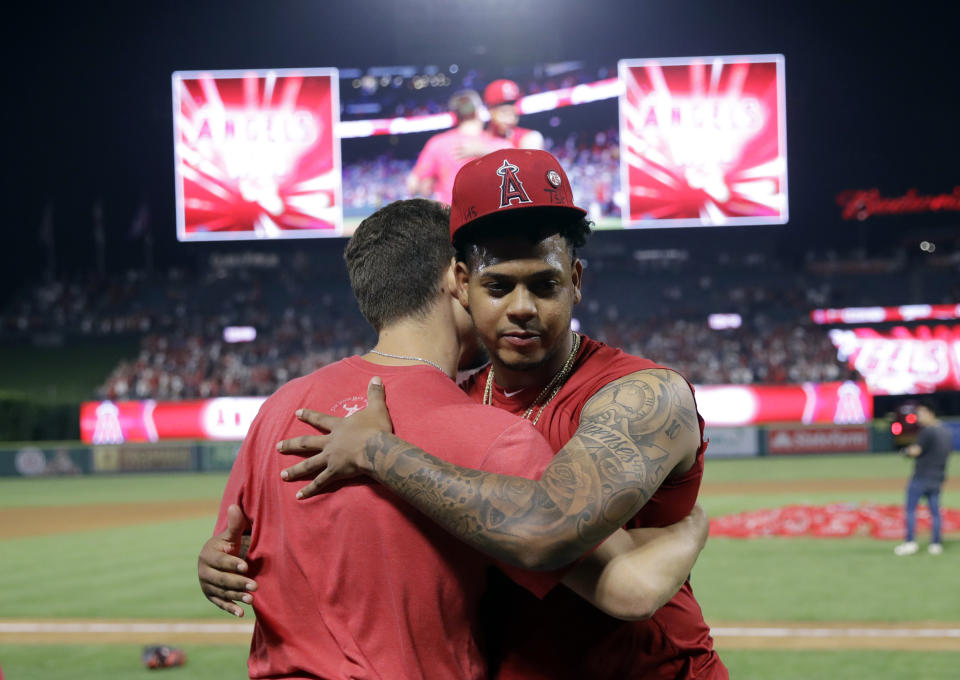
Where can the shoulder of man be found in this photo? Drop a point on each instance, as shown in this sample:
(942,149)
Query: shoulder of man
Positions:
(601,364)
(295,389)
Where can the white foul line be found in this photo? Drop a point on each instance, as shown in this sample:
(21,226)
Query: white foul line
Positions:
(118,627)
(836,632)
(81,627)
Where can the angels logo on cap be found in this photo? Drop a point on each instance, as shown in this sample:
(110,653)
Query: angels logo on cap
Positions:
(526,179)
(511,188)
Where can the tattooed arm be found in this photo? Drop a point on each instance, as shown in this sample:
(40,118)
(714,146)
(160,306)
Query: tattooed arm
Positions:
(633,433)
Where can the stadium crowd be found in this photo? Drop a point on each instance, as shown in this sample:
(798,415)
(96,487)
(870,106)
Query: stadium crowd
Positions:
(304,317)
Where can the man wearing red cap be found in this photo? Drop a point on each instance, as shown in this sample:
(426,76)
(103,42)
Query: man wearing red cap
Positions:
(501,98)
(629,440)
(445,153)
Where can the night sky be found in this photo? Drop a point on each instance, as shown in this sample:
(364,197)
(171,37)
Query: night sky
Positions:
(871,97)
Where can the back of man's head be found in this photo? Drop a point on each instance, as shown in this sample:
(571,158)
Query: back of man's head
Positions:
(465,105)
(396,260)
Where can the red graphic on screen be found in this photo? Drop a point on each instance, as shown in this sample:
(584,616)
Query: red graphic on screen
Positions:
(854,315)
(703,141)
(257,155)
(902,360)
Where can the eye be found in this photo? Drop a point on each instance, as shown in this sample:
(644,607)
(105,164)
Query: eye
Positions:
(497,288)
(546,288)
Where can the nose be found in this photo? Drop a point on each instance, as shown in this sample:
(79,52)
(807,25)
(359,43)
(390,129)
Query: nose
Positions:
(523,305)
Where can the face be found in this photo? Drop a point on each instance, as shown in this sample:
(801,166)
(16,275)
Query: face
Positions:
(504,117)
(924,416)
(521,299)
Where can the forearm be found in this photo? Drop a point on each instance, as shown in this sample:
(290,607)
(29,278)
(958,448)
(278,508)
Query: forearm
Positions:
(632,574)
(636,584)
(660,563)
(515,520)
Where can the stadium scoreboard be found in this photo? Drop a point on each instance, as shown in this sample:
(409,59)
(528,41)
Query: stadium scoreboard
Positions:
(701,141)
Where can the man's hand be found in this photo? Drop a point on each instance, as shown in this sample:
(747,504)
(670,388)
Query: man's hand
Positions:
(343,452)
(912,451)
(221,563)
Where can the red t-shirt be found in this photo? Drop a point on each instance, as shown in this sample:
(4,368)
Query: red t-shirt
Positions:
(565,637)
(440,158)
(358,584)
(517,135)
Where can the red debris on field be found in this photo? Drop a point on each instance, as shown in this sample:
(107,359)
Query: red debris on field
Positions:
(837,520)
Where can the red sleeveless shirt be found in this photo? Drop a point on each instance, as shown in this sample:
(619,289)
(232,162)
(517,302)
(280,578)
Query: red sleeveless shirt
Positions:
(562,636)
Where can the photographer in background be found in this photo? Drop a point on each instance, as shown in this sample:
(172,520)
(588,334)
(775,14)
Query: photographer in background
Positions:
(929,453)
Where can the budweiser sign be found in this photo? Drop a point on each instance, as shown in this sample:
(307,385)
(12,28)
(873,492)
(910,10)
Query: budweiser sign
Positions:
(863,203)
(817,440)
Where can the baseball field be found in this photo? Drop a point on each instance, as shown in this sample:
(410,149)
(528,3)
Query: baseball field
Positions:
(95,567)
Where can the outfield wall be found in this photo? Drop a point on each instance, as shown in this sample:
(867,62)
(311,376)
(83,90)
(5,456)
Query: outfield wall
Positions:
(73,458)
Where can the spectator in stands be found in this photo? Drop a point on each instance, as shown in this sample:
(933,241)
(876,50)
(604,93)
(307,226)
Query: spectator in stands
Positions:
(930,453)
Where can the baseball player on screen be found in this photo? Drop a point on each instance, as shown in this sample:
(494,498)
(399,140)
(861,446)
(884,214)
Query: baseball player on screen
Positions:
(501,98)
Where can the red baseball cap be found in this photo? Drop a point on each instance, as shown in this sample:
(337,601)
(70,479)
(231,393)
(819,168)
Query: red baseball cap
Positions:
(501,92)
(508,180)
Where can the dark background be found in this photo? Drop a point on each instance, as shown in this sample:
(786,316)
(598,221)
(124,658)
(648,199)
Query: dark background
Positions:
(871,102)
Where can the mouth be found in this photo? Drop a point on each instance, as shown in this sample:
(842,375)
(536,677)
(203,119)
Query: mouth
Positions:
(520,339)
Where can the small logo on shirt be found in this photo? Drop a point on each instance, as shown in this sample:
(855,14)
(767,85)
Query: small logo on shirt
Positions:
(349,406)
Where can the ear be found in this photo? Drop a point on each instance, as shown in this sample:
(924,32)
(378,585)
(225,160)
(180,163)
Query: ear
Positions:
(462,275)
(577,276)
(450,278)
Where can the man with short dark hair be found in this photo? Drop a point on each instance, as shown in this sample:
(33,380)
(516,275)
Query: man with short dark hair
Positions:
(358,583)
(930,453)
(628,437)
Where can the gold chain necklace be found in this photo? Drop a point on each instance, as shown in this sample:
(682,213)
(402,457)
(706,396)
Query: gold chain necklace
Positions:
(552,388)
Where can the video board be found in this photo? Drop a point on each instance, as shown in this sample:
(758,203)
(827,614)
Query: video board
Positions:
(703,141)
(256,154)
(311,152)
(902,360)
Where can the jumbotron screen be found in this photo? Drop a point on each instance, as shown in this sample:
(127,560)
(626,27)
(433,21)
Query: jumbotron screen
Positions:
(703,141)
(256,154)
(311,152)
(902,360)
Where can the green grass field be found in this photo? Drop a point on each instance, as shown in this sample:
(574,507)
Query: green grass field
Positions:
(147,572)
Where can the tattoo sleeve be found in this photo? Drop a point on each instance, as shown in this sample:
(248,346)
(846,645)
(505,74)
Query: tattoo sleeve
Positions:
(632,434)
